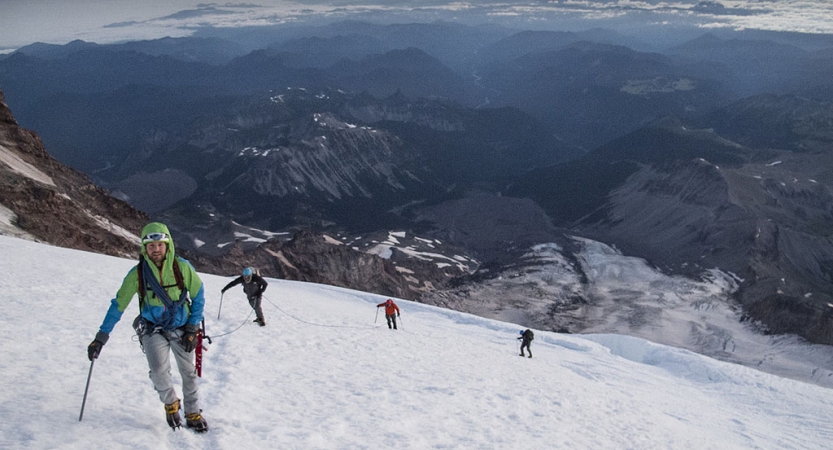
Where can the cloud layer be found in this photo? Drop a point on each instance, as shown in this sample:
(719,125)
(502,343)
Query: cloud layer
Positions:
(106,21)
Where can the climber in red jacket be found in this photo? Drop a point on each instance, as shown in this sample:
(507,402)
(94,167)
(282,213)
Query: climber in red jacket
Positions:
(391,312)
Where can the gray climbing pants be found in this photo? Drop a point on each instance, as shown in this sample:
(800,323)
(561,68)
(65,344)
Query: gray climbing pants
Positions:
(158,346)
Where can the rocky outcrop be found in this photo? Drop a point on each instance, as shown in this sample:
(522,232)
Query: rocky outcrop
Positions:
(313,257)
(56,204)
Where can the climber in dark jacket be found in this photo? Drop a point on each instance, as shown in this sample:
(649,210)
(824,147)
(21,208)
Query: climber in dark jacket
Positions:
(253,286)
(526,338)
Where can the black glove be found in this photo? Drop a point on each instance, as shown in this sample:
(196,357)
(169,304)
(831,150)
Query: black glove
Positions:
(189,339)
(398,315)
(94,349)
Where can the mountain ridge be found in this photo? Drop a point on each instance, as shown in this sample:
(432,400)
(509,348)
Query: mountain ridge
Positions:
(657,153)
(44,200)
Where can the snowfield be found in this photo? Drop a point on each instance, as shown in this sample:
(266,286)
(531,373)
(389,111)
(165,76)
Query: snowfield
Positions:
(326,373)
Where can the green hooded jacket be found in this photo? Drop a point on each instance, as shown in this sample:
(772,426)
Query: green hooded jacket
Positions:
(152,308)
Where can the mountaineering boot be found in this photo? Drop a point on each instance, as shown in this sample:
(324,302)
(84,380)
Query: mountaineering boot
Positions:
(196,422)
(261,322)
(172,415)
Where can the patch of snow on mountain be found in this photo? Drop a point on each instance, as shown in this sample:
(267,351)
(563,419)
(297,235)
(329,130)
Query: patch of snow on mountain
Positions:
(248,237)
(381,250)
(20,166)
(7,224)
(105,223)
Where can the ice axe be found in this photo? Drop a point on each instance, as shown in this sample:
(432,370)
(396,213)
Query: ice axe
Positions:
(199,348)
(86,389)
(221,305)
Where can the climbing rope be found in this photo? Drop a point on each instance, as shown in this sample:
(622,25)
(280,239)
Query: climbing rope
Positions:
(311,323)
(232,331)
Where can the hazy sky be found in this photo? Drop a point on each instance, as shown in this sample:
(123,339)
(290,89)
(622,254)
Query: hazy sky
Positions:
(23,22)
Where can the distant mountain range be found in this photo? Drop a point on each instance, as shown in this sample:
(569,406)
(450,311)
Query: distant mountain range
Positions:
(688,199)
(46,201)
(713,153)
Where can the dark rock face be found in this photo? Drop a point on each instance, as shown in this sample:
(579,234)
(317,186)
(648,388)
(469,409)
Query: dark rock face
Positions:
(770,227)
(678,214)
(494,227)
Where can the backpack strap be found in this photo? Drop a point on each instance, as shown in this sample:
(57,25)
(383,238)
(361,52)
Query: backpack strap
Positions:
(178,275)
(142,287)
(142,290)
(168,315)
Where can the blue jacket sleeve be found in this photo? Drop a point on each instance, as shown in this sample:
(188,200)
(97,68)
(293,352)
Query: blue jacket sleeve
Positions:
(112,318)
(119,304)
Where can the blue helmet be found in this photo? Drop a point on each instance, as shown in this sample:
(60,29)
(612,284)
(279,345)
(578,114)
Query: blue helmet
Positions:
(522,331)
(247,272)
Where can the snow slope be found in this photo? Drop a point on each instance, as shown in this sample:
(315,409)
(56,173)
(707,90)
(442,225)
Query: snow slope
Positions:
(323,374)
